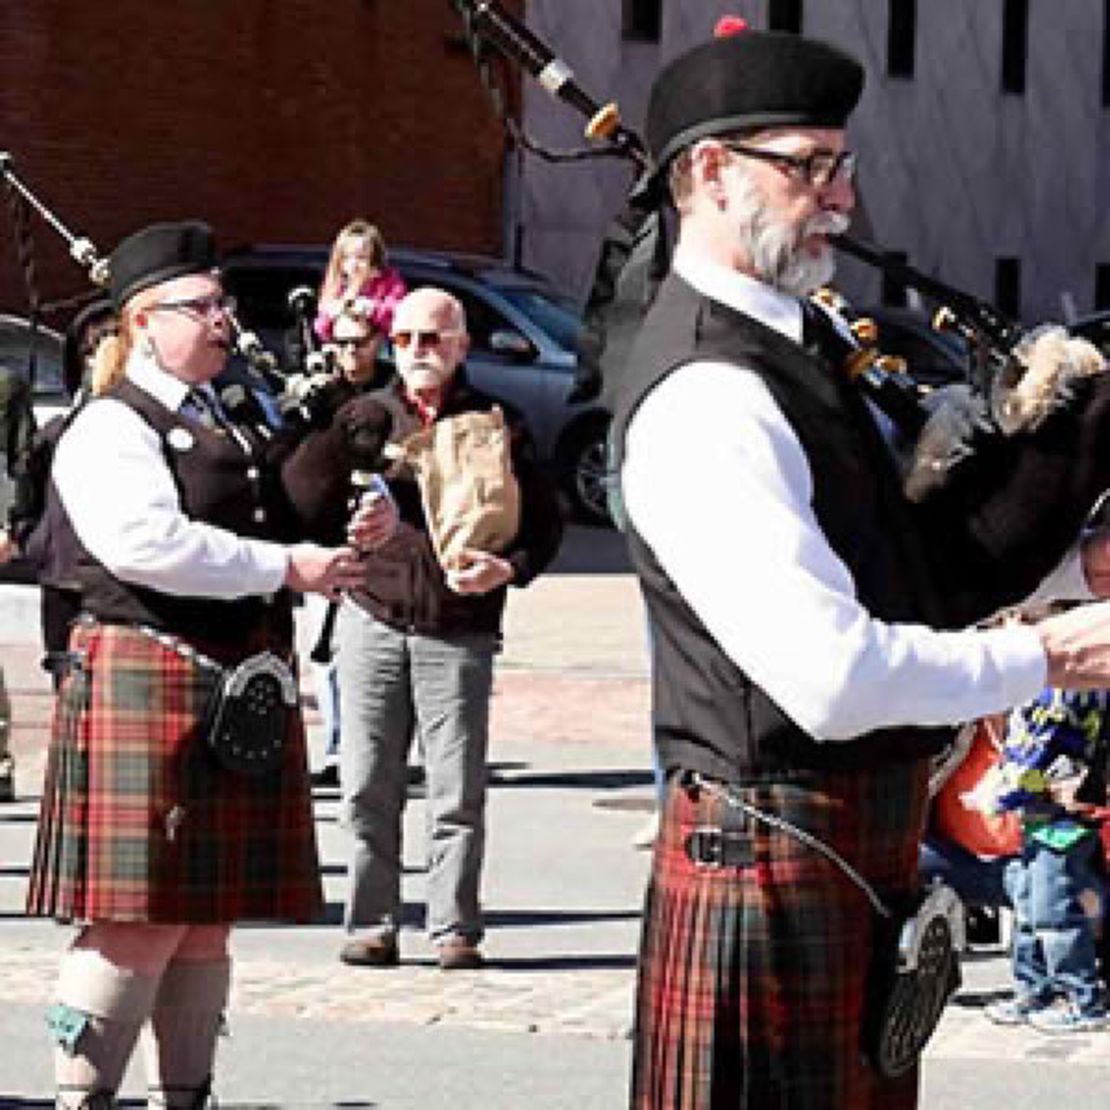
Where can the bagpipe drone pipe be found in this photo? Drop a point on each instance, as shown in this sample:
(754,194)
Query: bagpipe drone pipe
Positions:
(999,474)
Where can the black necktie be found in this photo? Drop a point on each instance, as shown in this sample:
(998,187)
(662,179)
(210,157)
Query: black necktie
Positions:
(204,406)
(820,336)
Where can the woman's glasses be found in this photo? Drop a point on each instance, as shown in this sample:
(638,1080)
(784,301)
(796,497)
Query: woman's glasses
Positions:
(204,308)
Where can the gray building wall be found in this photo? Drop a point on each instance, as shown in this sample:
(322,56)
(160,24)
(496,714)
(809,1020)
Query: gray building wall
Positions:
(953,172)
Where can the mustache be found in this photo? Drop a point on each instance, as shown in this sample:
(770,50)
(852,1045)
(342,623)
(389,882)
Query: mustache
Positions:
(827,223)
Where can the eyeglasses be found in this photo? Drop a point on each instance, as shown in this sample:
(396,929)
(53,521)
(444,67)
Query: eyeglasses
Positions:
(402,339)
(353,344)
(206,308)
(817,169)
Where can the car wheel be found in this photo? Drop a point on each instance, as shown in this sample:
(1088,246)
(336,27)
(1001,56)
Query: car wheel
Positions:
(585,473)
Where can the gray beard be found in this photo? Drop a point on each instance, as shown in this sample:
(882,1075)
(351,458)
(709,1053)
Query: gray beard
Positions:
(775,248)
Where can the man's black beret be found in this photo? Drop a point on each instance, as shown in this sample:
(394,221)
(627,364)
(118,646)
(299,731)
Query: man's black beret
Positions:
(748,81)
(157,253)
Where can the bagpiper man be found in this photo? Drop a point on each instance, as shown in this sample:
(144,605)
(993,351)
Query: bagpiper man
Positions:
(799,681)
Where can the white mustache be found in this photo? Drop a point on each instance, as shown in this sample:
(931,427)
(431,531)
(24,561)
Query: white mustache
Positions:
(828,223)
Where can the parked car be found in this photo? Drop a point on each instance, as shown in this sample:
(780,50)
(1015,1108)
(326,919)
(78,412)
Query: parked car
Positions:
(17,342)
(523,345)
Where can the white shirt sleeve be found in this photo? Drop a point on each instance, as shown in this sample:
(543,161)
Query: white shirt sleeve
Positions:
(122,501)
(716,483)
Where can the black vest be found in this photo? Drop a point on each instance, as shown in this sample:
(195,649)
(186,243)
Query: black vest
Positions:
(708,715)
(220,484)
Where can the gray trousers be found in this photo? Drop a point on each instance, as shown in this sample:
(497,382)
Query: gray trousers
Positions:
(394,685)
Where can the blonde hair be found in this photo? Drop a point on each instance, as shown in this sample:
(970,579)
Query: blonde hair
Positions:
(680,179)
(332,285)
(109,361)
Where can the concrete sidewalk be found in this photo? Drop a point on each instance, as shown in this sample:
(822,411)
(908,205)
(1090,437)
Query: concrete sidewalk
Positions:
(545,1026)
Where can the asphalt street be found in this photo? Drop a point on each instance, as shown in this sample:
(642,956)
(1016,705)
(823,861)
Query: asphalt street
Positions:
(546,1024)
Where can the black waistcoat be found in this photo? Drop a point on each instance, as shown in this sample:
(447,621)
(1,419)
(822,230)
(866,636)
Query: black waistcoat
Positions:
(708,715)
(220,484)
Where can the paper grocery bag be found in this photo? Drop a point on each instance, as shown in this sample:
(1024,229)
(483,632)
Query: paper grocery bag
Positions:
(471,497)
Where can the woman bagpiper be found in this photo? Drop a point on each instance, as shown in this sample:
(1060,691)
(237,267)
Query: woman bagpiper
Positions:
(177,798)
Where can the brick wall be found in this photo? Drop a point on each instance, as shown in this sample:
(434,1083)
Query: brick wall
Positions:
(275,120)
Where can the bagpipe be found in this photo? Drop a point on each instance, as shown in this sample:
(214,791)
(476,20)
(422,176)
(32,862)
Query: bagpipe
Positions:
(326,442)
(1001,471)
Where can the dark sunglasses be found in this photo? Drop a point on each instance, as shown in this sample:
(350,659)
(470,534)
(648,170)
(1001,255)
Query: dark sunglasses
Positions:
(817,169)
(402,339)
(353,344)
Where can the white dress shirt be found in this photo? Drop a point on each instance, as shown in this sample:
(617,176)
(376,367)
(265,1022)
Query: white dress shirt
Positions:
(121,498)
(716,483)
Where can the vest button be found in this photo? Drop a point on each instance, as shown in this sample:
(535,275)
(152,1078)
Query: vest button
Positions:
(252,473)
(259,515)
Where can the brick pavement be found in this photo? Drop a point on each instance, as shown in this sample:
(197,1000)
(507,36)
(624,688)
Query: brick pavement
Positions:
(573,676)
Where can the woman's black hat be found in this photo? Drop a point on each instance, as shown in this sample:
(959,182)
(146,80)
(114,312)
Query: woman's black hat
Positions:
(748,81)
(157,253)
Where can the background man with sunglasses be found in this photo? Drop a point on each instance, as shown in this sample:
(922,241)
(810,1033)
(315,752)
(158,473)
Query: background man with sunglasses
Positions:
(416,656)
(793,599)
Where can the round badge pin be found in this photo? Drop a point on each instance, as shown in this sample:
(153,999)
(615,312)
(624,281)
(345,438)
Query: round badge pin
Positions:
(180,439)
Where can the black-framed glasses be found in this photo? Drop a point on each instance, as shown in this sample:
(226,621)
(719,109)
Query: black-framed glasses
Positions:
(817,169)
(403,338)
(205,308)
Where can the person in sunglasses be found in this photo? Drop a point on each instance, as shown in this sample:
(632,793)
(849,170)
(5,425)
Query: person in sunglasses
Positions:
(154,839)
(811,648)
(358,334)
(416,652)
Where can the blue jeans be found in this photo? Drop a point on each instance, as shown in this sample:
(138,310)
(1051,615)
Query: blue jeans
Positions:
(394,685)
(1054,943)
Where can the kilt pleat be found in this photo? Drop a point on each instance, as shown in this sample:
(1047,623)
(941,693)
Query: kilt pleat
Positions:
(751,979)
(139,822)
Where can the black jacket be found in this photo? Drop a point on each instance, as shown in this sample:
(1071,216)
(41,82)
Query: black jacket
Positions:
(405,586)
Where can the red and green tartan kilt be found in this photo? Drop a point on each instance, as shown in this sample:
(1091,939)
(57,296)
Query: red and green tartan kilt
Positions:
(138,821)
(751,979)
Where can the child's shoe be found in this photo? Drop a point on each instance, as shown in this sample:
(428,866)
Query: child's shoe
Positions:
(1070,1019)
(1018,1010)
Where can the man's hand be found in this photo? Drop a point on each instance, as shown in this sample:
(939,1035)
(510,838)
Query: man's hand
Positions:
(323,570)
(374,522)
(1077,647)
(9,549)
(479,573)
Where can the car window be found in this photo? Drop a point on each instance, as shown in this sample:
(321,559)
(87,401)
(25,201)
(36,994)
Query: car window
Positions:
(262,293)
(15,347)
(554,317)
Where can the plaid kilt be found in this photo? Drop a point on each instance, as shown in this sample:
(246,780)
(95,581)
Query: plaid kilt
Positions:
(138,820)
(751,980)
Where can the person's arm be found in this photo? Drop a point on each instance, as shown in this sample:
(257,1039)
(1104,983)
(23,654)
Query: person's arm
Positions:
(716,483)
(541,522)
(124,506)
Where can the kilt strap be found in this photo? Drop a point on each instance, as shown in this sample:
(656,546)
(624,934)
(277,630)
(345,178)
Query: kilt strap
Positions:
(731,841)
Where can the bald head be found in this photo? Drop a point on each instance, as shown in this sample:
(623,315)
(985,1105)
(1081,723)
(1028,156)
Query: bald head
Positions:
(429,338)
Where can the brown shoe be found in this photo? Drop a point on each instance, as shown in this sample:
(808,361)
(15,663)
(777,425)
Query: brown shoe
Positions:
(371,952)
(460,955)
